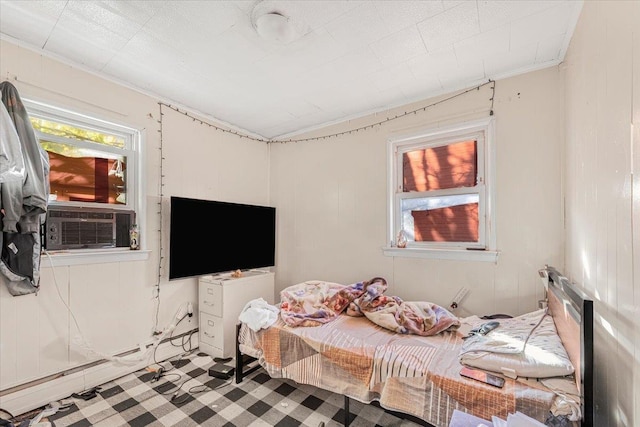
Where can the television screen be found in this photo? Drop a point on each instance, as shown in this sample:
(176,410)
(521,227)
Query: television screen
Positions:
(207,237)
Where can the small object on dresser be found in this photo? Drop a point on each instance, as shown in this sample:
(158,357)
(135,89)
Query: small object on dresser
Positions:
(236,274)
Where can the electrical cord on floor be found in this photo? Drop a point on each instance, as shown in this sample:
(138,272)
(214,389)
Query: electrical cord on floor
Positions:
(161,373)
(161,367)
(187,339)
(184,339)
(172,362)
(205,387)
(180,356)
(174,386)
(176,397)
(196,389)
(173,391)
(170,338)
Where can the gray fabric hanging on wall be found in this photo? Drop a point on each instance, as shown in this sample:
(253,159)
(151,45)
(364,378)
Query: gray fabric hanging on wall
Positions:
(23,203)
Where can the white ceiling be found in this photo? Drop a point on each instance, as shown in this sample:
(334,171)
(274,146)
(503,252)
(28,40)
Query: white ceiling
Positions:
(353,57)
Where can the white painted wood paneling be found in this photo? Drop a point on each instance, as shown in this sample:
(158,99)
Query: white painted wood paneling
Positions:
(53,321)
(635,212)
(601,76)
(199,163)
(8,331)
(34,332)
(133,287)
(95,301)
(107,302)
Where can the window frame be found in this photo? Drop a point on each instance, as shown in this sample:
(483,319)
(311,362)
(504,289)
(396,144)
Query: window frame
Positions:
(130,151)
(133,141)
(483,131)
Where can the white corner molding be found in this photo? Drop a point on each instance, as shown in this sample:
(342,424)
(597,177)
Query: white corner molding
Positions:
(452,254)
(79,257)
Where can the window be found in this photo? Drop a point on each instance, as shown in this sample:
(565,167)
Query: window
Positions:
(440,191)
(92,164)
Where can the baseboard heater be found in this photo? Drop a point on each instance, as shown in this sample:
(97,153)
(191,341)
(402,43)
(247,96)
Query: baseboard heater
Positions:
(19,399)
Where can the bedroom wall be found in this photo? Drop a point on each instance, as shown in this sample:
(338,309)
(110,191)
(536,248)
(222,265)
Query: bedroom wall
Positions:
(602,181)
(114,302)
(331,199)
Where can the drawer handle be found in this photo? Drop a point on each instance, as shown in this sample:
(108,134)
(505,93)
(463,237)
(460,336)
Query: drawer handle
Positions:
(211,323)
(210,291)
(209,335)
(210,304)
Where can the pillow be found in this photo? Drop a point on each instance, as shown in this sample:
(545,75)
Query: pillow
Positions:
(524,346)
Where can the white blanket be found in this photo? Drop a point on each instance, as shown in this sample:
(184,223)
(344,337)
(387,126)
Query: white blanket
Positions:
(259,314)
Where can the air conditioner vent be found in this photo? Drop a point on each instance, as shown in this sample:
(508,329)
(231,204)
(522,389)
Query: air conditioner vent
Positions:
(87,233)
(86,228)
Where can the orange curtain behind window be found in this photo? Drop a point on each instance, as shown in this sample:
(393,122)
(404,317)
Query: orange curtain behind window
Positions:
(448,166)
(451,224)
(84,179)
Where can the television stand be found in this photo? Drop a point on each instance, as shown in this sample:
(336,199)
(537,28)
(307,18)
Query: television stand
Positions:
(221,298)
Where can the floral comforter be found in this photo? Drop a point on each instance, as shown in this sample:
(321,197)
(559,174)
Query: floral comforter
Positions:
(316,302)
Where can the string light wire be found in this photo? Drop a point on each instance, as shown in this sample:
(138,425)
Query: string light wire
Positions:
(161,250)
(211,125)
(337,134)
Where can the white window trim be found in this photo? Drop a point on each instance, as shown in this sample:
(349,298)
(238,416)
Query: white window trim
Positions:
(489,252)
(91,256)
(132,147)
(451,254)
(133,144)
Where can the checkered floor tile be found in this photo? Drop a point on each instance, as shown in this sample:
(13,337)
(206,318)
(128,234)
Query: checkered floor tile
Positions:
(187,396)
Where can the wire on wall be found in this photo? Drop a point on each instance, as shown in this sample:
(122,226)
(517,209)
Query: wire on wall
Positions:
(493,95)
(399,116)
(218,128)
(161,250)
(337,134)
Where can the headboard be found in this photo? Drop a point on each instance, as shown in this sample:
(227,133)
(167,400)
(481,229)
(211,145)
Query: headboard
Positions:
(572,313)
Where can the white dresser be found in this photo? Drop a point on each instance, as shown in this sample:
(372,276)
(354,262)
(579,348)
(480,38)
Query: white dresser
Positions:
(221,298)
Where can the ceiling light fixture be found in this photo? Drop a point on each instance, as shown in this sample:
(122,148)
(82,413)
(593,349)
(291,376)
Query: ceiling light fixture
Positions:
(272,20)
(275,27)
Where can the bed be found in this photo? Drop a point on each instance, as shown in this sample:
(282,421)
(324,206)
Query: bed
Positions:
(420,375)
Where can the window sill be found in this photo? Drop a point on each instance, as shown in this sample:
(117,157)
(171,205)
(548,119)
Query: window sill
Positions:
(88,256)
(453,254)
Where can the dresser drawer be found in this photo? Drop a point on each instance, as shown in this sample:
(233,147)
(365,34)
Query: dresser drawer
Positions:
(210,298)
(211,330)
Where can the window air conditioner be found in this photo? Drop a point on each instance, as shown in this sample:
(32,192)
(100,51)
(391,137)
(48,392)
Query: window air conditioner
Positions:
(86,228)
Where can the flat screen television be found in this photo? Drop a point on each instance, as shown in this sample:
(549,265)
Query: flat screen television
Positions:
(208,237)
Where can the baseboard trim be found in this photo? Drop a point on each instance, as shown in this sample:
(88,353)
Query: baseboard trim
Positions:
(38,393)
